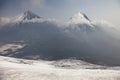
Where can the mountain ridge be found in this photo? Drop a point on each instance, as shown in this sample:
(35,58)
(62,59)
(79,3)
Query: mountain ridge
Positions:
(46,39)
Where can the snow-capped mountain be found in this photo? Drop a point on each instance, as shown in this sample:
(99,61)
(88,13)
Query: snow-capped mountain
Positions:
(27,15)
(79,37)
(79,18)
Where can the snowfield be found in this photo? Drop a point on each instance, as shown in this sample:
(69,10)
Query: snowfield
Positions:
(20,69)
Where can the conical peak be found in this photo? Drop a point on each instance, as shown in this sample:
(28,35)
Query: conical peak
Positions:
(81,15)
(28,15)
(80,18)
(28,12)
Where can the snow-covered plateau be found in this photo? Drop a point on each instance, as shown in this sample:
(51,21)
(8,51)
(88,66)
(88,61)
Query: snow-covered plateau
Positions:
(21,69)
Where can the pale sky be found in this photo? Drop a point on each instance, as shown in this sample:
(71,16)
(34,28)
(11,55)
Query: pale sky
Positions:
(108,10)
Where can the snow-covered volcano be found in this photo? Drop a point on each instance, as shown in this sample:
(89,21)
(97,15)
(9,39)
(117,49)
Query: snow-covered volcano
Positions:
(80,18)
(27,15)
(41,38)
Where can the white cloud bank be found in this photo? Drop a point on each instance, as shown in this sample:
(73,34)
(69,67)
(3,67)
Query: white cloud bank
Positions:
(16,69)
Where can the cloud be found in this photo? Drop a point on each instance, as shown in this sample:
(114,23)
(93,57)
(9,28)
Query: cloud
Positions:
(58,40)
(4,21)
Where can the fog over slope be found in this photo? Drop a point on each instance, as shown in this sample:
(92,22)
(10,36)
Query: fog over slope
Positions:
(79,37)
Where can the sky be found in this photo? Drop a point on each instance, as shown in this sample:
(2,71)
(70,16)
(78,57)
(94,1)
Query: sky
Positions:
(108,10)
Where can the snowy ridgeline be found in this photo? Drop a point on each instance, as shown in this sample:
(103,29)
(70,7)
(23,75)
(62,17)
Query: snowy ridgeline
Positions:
(20,69)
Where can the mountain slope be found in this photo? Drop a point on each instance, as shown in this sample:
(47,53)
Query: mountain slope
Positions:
(79,18)
(52,40)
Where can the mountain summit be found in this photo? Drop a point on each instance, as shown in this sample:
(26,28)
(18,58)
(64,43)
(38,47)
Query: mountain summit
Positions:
(27,15)
(79,18)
